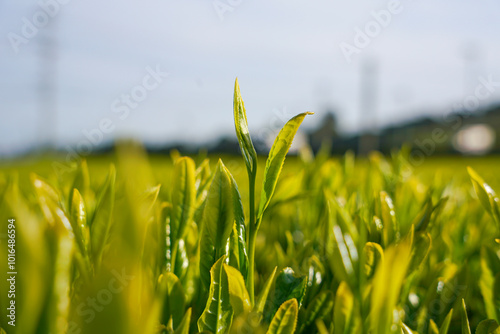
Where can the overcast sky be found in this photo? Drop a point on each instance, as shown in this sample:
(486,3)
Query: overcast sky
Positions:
(286,54)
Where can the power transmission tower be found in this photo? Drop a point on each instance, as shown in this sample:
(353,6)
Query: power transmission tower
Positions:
(368,139)
(47,84)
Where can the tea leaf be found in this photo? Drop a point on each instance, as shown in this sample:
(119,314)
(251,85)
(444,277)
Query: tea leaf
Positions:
(385,296)
(238,294)
(183,197)
(262,298)
(374,255)
(285,320)
(218,220)
(446,323)
(342,313)
(276,158)
(183,327)
(218,314)
(287,286)
(174,299)
(101,223)
(465,319)
(241,126)
(319,307)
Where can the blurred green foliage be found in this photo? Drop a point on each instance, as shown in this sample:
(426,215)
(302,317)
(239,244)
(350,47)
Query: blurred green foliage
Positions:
(131,243)
(359,245)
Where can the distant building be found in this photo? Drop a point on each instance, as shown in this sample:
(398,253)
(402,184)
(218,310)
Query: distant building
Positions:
(326,131)
(458,133)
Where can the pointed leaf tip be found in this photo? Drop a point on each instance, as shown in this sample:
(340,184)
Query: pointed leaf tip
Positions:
(242,132)
(276,158)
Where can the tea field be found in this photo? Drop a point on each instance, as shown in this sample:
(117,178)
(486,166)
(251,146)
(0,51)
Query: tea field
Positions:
(131,243)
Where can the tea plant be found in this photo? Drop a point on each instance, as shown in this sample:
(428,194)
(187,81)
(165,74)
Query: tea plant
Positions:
(334,245)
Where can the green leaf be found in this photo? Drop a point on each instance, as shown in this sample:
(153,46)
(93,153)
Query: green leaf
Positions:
(285,320)
(238,294)
(319,307)
(276,158)
(488,326)
(180,259)
(344,305)
(241,126)
(406,330)
(238,256)
(262,298)
(101,223)
(384,296)
(174,300)
(183,197)
(218,220)
(388,215)
(51,205)
(343,255)
(44,189)
(374,254)
(59,296)
(423,218)
(446,323)
(174,155)
(486,285)
(287,286)
(78,220)
(36,257)
(82,183)
(321,327)
(203,178)
(148,198)
(433,328)
(496,294)
(183,327)
(340,216)
(421,246)
(482,189)
(465,319)
(487,196)
(218,313)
